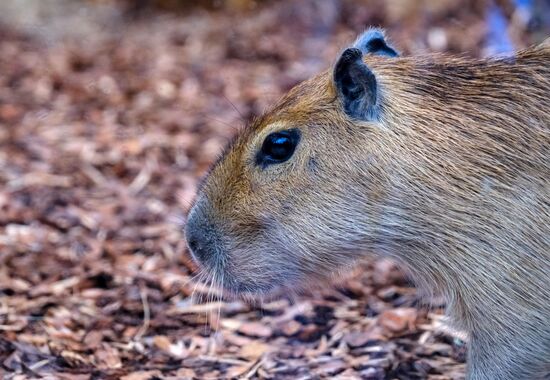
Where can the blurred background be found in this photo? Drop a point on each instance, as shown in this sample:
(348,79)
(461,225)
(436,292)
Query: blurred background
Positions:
(112,110)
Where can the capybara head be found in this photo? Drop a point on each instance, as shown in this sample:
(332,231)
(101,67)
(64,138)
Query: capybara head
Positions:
(279,206)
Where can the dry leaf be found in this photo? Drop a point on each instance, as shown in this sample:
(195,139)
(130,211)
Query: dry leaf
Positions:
(141,375)
(398,319)
(255,329)
(254,350)
(108,357)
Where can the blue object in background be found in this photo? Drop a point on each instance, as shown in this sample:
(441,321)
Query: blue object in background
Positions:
(524,4)
(498,42)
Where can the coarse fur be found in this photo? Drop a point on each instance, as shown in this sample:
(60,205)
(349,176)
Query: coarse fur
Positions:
(451,178)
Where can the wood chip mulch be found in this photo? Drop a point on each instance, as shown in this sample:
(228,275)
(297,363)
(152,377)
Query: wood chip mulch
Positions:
(105,130)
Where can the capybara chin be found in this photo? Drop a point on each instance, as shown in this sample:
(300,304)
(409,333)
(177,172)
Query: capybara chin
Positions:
(441,163)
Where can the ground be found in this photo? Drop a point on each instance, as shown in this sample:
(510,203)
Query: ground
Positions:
(110,115)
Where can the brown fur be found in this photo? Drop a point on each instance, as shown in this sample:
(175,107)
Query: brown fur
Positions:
(453,181)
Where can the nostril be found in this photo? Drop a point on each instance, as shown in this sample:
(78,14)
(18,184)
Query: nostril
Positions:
(201,236)
(193,244)
(197,249)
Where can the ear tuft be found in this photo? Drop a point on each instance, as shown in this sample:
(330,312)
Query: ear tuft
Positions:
(373,41)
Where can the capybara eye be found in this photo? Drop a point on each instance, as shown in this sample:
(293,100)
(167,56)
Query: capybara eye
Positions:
(278,147)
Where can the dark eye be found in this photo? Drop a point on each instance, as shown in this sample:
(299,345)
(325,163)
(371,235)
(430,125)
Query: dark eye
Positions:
(278,147)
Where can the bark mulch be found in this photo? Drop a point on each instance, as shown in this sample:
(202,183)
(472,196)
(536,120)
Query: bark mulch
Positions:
(108,121)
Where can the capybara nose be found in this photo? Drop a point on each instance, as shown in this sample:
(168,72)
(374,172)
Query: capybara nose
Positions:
(196,241)
(202,237)
(197,250)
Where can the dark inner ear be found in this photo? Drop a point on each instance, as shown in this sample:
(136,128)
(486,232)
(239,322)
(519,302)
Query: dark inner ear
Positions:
(373,41)
(356,85)
(378,46)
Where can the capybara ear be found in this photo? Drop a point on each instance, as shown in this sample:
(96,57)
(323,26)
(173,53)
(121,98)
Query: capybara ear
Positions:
(373,41)
(356,85)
